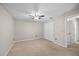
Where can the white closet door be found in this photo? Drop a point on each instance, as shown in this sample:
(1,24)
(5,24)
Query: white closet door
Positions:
(70,32)
(48,31)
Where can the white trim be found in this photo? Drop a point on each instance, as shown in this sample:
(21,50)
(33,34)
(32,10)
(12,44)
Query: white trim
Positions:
(76,42)
(11,45)
(57,43)
(66,45)
(60,44)
(6,53)
(26,39)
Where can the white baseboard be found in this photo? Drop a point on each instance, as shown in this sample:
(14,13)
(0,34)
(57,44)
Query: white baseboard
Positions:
(76,42)
(26,39)
(57,43)
(11,45)
(6,53)
(60,44)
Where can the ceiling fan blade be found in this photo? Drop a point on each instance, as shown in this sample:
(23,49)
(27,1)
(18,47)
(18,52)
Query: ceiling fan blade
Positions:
(42,16)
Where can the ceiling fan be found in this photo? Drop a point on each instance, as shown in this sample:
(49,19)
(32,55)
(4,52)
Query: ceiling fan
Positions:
(36,14)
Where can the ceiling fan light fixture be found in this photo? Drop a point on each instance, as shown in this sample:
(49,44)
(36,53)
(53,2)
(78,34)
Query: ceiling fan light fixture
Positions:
(36,18)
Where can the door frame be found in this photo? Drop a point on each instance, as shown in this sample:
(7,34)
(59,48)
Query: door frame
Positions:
(66,20)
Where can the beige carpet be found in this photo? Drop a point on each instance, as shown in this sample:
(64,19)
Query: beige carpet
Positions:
(76,46)
(40,47)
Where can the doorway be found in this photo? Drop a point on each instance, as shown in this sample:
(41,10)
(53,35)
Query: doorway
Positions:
(72,31)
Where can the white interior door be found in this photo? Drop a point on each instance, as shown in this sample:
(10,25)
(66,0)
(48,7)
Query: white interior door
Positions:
(48,31)
(51,32)
(70,32)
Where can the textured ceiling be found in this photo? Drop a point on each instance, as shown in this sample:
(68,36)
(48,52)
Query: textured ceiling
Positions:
(22,11)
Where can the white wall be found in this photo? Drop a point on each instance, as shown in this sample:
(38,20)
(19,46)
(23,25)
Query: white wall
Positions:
(59,30)
(54,30)
(6,31)
(26,30)
(49,30)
